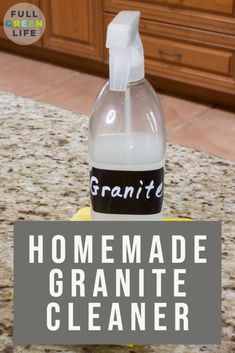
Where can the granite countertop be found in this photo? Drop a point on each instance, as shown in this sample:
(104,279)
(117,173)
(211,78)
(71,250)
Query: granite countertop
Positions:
(44,176)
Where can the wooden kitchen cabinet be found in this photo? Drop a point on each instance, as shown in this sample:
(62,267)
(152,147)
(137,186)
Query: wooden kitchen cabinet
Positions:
(73,27)
(189,44)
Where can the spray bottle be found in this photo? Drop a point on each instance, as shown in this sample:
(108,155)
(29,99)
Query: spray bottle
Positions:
(126,133)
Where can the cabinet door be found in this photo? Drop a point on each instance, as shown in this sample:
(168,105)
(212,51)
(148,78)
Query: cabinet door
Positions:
(4,6)
(73,27)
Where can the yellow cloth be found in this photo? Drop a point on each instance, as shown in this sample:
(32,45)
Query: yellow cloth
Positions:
(83,214)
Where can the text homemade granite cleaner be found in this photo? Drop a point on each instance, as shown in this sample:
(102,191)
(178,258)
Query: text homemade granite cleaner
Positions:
(126,133)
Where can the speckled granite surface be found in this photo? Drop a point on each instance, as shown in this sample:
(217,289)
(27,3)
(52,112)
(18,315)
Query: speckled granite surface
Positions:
(44,175)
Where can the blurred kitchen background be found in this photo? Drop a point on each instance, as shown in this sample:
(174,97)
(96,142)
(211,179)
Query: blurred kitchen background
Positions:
(189,52)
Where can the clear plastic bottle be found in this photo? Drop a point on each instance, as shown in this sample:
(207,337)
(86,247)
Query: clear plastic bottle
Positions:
(126,133)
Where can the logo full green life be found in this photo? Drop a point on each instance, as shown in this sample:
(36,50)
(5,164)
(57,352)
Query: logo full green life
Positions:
(24,23)
(24,27)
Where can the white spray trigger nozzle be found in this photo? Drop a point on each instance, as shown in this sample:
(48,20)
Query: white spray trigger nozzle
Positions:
(126,56)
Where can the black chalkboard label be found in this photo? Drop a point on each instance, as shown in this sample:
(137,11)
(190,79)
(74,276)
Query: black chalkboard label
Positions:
(126,192)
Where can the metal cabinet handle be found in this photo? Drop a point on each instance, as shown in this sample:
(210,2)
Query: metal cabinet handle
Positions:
(172,55)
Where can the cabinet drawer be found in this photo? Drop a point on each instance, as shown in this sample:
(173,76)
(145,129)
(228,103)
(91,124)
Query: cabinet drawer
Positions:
(185,47)
(223,6)
(211,15)
(187,55)
(220,6)
(199,58)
